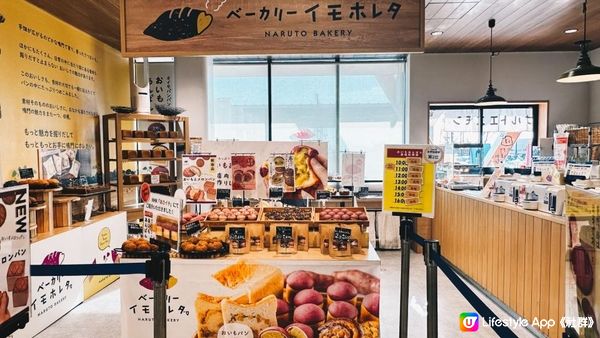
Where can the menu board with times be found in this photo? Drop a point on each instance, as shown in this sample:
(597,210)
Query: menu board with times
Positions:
(409,178)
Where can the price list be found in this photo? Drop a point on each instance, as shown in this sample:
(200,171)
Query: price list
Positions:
(406,175)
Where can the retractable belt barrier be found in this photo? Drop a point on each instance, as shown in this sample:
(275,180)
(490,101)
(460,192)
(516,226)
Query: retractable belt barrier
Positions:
(157,268)
(433,259)
(484,311)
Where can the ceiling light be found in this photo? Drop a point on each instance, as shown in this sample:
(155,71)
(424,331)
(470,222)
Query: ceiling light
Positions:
(437,33)
(585,71)
(571,30)
(490,98)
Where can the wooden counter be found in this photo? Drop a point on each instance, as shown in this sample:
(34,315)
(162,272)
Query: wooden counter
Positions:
(518,256)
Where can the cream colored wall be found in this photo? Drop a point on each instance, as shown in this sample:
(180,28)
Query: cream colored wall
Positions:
(595,90)
(192,91)
(110,85)
(518,77)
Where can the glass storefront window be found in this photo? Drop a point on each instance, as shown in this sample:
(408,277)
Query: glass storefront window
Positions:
(239,103)
(487,127)
(352,103)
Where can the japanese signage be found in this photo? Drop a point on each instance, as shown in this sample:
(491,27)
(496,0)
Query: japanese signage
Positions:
(52,297)
(561,148)
(508,120)
(409,178)
(206,300)
(255,167)
(222,27)
(199,177)
(162,86)
(54,86)
(14,256)
(162,215)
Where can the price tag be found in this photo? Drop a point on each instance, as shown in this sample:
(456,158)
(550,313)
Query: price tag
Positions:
(276,192)
(237,233)
(194,227)
(26,173)
(283,233)
(154,179)
(342,234)
(323,195)
(223,194)
(583,170)
(134,228)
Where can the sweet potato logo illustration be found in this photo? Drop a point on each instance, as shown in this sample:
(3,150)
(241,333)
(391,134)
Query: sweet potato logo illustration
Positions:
(179,24)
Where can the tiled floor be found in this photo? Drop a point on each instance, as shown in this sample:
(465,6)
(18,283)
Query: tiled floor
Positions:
(99,317)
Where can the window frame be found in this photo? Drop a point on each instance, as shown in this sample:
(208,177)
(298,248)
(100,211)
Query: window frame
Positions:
(448,106)
(336,60)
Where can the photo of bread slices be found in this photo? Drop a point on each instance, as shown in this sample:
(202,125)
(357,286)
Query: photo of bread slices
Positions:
(251,282)
(208,315)
(257,316)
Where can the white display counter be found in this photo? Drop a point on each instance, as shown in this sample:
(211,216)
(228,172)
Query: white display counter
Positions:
(84,243)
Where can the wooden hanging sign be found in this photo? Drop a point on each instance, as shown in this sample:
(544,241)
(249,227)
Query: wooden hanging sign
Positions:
(254,27)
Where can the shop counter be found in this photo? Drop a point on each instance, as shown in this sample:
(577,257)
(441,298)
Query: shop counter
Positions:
(91,242)
(198,300)
(518,256)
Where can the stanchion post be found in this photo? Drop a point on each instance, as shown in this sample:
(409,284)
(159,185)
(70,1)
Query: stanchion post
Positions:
(431,247)
(406,228)
(158,269)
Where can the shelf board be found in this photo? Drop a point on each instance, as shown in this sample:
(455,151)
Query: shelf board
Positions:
(168,184)
(146,159)
(149,140)
(146,117)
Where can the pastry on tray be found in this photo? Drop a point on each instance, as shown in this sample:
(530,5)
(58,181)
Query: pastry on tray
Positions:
(337,328)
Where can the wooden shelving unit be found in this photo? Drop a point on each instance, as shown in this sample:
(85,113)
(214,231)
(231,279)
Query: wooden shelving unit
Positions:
(114,143)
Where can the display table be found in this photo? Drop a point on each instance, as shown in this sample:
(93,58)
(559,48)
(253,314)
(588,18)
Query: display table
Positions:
(192,277)
(517,255)
(83,243)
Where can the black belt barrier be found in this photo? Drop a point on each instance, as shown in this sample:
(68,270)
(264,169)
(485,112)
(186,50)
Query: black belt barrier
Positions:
(88,269)
(157,268)
(484,311)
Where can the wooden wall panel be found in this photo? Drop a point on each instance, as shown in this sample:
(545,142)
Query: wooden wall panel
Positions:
(516,255)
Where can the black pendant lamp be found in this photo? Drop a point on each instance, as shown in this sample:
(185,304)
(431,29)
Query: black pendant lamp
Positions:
(490,98)
(585,71)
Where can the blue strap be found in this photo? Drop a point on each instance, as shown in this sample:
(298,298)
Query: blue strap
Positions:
(88,269)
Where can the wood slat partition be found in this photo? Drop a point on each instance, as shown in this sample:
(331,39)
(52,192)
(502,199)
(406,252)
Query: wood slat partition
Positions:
(518,256)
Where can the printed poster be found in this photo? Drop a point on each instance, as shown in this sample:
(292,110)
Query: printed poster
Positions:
(200,177)
(15,254)
(207,297)
(309,162)
(243,172)
(162,215)
(561,148)
(582,293)
(353,169)
(282,172)
(409,178)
